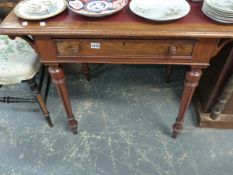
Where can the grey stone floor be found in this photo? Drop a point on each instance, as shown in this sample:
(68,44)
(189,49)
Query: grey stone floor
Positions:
(125,115)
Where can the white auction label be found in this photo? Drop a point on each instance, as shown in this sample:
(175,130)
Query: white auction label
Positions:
(95,45)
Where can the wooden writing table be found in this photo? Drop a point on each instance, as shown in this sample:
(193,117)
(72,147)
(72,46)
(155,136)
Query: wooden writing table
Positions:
(124,38)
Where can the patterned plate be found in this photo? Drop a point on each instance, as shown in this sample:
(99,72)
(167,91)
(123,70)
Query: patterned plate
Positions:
(96,8)
(160,10)
(39,9)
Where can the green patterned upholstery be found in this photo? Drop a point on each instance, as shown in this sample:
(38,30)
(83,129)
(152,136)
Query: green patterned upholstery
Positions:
(18,61)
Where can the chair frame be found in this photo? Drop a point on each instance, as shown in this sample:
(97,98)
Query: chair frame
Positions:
(36,91)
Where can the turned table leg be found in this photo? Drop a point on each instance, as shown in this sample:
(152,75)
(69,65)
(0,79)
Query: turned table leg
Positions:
(86,71)
(168,73)
(58,78)
(191,82)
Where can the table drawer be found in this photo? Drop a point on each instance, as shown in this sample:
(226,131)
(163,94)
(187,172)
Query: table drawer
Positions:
(159,48)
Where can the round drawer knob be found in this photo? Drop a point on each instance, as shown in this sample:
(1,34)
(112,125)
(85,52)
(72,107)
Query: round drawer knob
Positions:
(172,50)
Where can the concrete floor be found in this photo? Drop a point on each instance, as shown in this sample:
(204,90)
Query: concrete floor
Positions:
(125,115)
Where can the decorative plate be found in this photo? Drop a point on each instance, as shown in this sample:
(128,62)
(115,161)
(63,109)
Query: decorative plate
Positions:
(39,9)
(160,10)
(96,8)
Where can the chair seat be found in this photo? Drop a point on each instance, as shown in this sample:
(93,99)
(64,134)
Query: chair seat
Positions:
(18,61)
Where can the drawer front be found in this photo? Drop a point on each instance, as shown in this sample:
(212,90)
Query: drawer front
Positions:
(157,48)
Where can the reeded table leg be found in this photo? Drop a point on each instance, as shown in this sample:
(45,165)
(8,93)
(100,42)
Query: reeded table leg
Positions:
(86,71)
(191,82)
(58,78)
(168,73)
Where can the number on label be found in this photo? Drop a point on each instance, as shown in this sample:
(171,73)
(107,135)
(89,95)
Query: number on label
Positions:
(95,45)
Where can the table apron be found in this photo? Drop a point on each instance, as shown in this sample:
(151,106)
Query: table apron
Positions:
(195,51)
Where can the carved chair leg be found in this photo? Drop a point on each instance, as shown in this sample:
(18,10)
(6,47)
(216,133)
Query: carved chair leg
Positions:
(58,78)
(191,82)
(35,90)
(226,94)
(86,71)
(168,73)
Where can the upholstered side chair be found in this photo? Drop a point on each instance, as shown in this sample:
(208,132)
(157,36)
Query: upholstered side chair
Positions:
(19,63)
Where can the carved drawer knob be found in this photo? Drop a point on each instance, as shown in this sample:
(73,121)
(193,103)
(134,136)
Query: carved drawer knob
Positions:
(172,50)
(75,49)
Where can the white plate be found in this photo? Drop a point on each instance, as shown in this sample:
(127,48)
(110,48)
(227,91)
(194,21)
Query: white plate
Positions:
(221,5)
(39,9)
(216,18)
(160,10)
(217,12)
(96,8)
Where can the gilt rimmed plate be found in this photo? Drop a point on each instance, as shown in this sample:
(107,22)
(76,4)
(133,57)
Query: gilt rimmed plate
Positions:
(96,8)
(39,9)
(160,10)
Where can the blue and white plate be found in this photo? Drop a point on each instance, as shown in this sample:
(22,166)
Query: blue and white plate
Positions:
(96,8)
